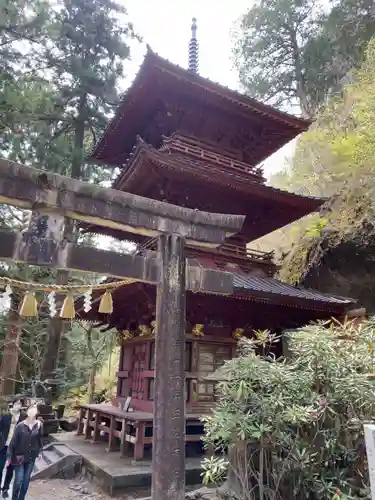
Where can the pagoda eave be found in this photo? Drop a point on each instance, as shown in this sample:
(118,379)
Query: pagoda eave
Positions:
(134,175)
(149,169)
(158,82)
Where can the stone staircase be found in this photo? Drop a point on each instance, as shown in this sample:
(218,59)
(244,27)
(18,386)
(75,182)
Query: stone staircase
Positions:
(57,460)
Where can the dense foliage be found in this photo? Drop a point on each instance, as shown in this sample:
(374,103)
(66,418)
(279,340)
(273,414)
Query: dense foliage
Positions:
(294,428)
(335,159)
(300,51)
(339,147)
(61,67)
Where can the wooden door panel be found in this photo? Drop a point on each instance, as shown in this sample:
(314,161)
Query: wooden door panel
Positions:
(210,358)
(138,366)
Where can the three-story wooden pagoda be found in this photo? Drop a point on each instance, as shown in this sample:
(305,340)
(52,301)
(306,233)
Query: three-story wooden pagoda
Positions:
(180,138)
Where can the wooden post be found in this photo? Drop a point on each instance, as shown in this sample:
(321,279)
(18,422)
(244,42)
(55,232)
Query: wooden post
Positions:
(88,429)
(97,427)
(112,430)
(139,446)
(168,454)
(124,445)
(81,424)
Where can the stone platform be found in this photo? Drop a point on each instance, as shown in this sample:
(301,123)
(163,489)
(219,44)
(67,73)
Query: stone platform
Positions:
(113,473)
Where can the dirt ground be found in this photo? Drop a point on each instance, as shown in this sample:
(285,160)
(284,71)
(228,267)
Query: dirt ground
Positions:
(57,489)
(81,489)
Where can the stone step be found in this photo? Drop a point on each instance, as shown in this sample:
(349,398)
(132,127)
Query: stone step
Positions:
(50,456)
(59,449)
(56,460)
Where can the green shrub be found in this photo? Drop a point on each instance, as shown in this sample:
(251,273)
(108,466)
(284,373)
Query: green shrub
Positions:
(293,428)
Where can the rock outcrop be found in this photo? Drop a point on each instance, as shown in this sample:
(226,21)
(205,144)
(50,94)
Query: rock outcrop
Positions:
(340,259)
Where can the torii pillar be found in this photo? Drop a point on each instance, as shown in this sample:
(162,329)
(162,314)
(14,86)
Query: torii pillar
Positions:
(168,450)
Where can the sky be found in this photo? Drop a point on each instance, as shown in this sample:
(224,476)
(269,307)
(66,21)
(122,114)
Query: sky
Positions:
(166,26)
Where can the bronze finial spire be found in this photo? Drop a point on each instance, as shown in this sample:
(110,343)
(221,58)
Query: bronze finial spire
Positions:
(193,48)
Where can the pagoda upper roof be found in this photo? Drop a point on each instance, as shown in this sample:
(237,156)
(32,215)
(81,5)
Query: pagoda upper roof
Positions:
(250,181)
(160,80)
(212,176)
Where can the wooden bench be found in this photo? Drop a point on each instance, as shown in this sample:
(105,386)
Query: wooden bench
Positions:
(127,427)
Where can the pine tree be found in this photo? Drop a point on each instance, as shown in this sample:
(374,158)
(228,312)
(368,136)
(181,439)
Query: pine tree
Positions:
(55,102)
(292,52)
(22,24)
(275,51)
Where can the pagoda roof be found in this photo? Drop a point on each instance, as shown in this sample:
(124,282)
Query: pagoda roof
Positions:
(262,292)
(242,181)
(159,76)
(147,164)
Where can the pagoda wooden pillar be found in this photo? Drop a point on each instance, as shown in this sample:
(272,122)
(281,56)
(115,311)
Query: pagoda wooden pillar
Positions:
(168,459)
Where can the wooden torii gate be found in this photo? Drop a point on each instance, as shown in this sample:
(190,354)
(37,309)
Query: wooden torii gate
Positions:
(54,199)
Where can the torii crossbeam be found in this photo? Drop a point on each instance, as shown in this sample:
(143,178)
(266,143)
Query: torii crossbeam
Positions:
(54,199)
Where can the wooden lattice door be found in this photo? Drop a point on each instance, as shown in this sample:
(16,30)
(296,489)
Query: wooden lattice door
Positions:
(138,367)
(210,358)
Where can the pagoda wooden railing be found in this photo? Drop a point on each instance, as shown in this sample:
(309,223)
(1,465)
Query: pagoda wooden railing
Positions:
(228,249)
(225,252)
(185,146)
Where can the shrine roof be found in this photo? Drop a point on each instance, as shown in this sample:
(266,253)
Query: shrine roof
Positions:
(276,288)
(247,288)
(266,208)
(160,79)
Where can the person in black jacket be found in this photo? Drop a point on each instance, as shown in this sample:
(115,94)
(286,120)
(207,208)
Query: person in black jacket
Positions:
(9,418)
(23,450)
(17,415)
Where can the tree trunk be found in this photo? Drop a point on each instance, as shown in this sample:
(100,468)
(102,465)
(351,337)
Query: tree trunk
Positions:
(91,383)
(9,363)
(239,481)
(306,108)
(56,325)
(54,331)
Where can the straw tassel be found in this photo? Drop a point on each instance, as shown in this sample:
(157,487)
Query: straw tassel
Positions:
(106,303)
(29,306)
(67,310)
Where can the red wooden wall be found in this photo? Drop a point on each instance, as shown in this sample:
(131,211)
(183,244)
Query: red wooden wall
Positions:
(204,355)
